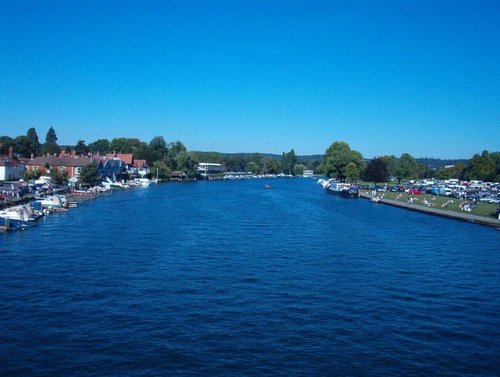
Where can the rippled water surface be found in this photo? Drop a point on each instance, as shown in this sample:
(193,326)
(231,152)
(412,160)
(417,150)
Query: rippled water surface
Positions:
(229,278)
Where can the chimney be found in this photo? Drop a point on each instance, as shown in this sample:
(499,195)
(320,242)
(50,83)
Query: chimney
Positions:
(10,152)
(32,156)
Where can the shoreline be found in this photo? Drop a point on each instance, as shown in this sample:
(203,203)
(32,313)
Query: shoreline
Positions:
(437,212)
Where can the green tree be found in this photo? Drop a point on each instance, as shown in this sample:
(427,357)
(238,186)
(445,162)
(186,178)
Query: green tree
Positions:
(173,150)
(377,170)
(352,172)
(235,163)
(80,148)
(272,166)
(158,145)
(51,145)
(144,152)
(120,145)
(406,168)
(288,161)
(212,157)
(89,174)
(256,158)
(100,146)
(496,158)
(51,136)
(337,157)
(157,149)
(22,146)
(187,162)
(32,175)
(161,170)
(481,167)
(423,171)
(445,173)
(299,169)
(5,143)
(135,142)
(392,163)
(252,167)
(58,176)
(34,143)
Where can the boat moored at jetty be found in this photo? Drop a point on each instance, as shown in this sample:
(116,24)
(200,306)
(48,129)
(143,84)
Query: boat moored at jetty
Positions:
(109,184)
(55,201)
(144,182)
(345,190)
(18,217)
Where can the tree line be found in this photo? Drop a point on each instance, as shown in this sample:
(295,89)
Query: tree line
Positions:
(162,157)
(339,160)
(348,165)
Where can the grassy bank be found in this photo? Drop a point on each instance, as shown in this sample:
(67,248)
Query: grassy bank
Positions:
(443,202)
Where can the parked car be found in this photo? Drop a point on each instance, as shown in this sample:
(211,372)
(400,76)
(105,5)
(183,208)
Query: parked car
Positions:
(415,191)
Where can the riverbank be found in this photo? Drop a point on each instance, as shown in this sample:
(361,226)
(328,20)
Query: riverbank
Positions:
(435,211)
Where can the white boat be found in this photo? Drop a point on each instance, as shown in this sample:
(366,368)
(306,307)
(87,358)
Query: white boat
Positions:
(145,182)
(54,201)
(345,190)
(324,182)
(20,213)
(109,184)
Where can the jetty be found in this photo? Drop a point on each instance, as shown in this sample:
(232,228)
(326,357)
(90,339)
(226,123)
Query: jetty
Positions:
(435,211)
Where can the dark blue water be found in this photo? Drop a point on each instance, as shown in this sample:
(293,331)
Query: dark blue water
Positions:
(228,278)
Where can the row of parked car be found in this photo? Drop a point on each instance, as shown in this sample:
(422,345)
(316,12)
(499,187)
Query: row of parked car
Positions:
(489,194)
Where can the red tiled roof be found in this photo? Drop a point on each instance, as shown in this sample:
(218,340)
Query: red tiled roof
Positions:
(8,161)
(140,164)
(128,158)
(57,161)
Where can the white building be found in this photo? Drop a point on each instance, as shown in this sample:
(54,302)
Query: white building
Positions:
(206,168)
(11,169)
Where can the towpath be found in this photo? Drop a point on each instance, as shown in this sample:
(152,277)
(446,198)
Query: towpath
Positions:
(437,212)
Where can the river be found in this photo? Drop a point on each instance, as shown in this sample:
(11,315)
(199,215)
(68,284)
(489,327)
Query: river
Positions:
(228,278)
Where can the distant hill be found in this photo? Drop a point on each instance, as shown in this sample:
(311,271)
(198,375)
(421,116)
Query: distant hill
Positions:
(313,157)
(307,158)
(435,163)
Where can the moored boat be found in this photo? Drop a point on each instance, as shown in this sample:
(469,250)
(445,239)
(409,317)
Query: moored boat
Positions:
(55,201)
(18,217)
(144,182)
(345,190)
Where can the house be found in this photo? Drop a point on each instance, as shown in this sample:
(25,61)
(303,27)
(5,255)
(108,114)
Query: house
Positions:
(113,168)
(10,167)
(140,167)
(72,166)
(134,167)
(177,175)
(127,158)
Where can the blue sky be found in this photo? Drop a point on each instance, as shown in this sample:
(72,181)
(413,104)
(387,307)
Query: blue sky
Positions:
(387,77)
